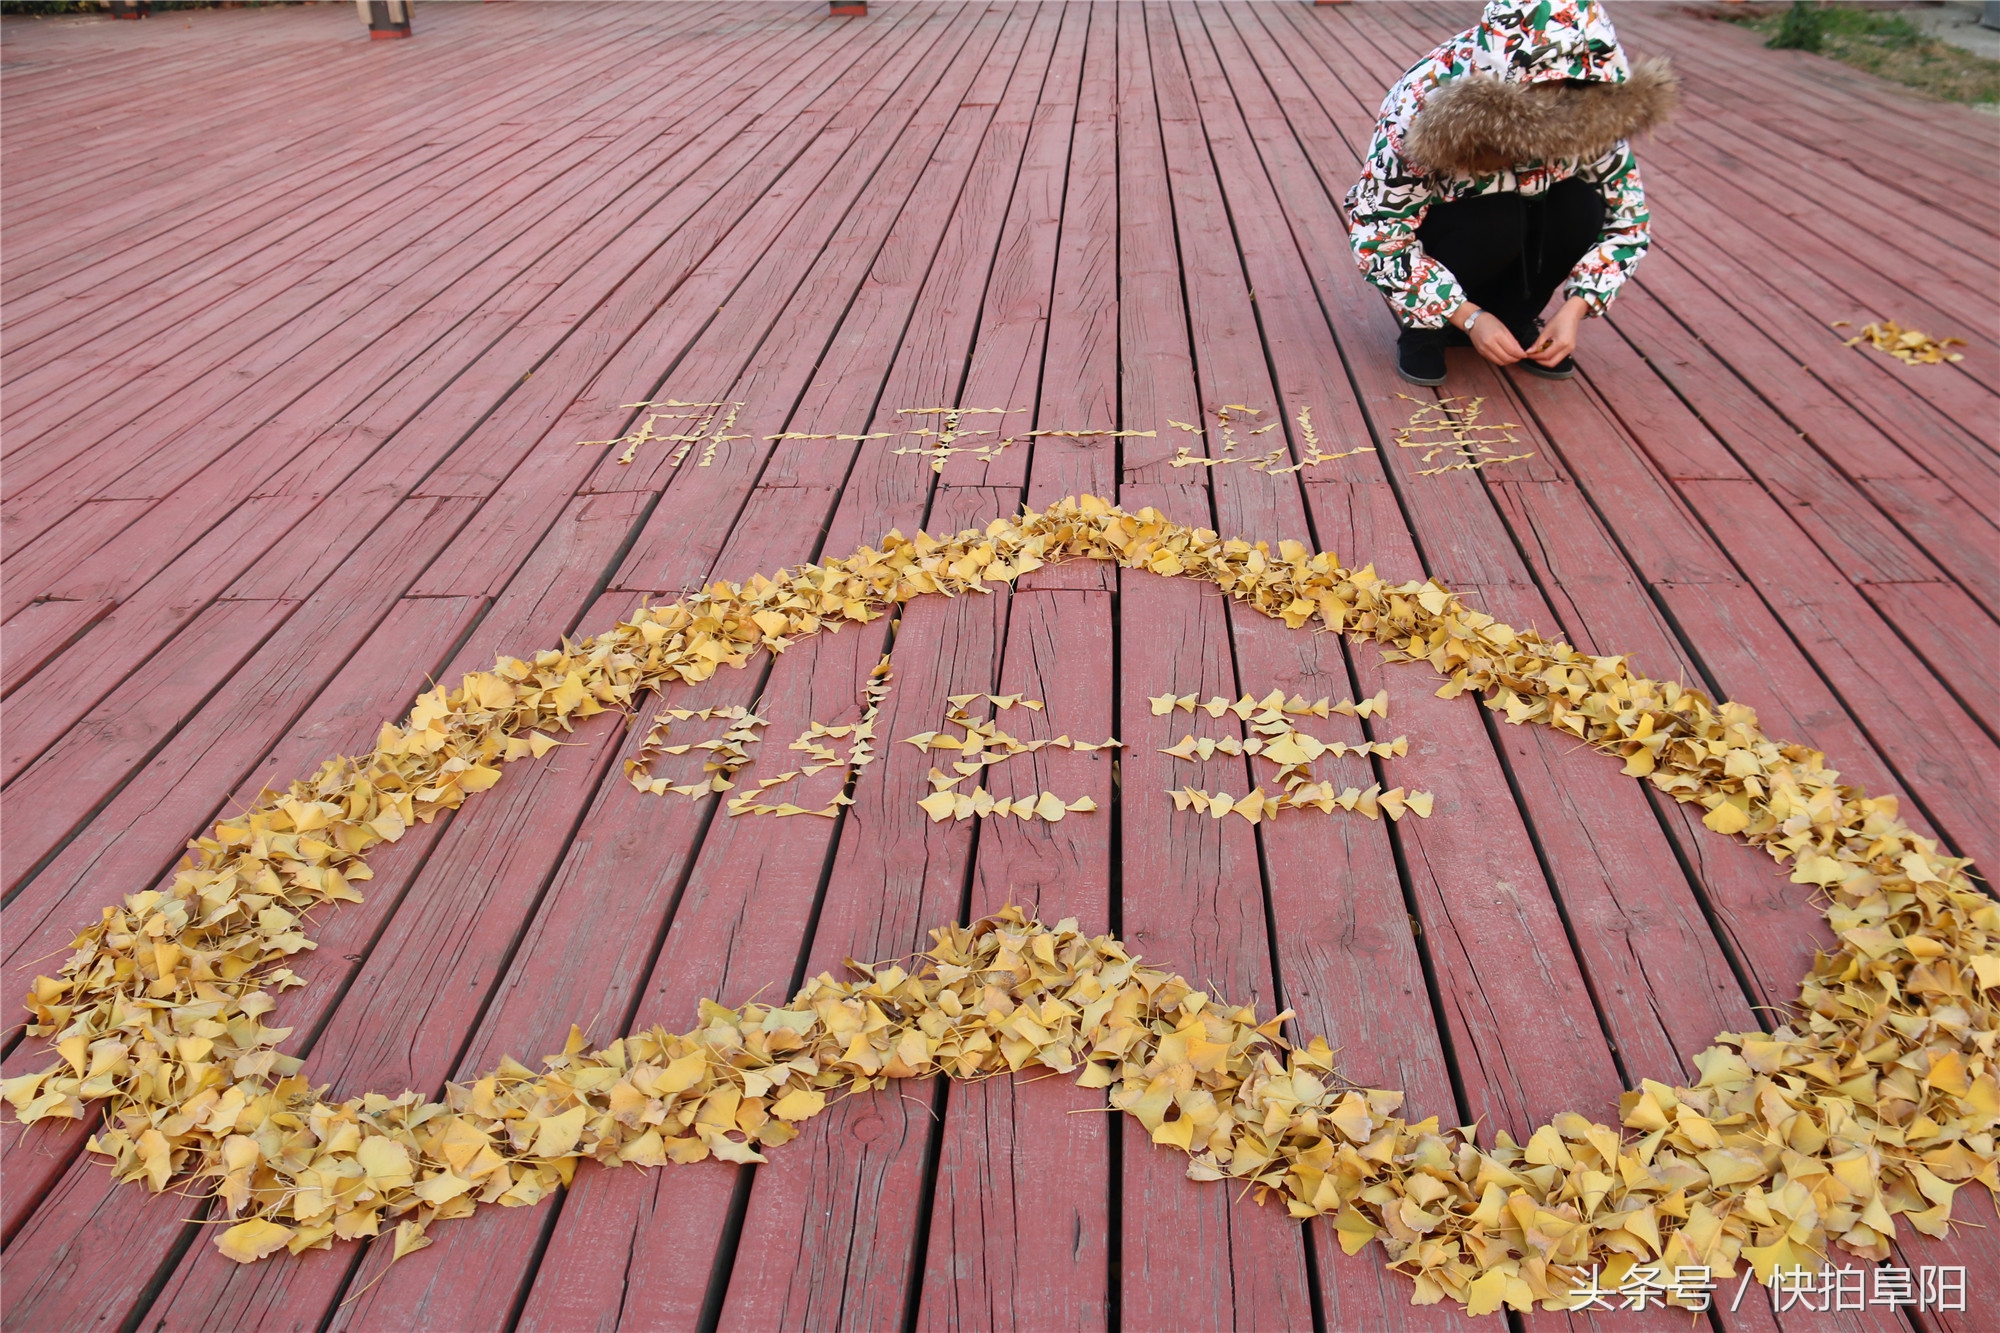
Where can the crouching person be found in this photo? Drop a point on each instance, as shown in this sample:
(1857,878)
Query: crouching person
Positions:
(1501,169)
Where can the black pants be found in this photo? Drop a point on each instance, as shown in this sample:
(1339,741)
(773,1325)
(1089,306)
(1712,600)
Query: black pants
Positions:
(1510,253)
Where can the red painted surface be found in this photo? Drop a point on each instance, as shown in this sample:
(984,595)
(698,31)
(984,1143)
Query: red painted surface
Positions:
(311,445)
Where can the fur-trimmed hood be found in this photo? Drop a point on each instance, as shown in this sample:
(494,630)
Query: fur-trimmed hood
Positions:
(1481,124)
(1538,93)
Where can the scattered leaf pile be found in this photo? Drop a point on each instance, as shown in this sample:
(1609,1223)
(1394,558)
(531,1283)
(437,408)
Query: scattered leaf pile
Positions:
(1293,751)
(1875,1099)
(727,755)
(1289,749)
(1256,807)
(949,433)
(941,805)
(1452,426)
(860,754)
(705,432)
(1313,455)
(1274,702)
(1906,345)
(982,745)
(1268,462)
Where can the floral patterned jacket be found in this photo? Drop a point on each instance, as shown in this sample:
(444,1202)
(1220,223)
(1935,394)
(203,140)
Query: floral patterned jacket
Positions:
(1518,42)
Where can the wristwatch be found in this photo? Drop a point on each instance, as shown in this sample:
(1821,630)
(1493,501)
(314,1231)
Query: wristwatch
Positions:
(1473,318)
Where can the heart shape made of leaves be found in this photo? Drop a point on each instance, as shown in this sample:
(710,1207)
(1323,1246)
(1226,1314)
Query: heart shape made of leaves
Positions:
(1877,1097)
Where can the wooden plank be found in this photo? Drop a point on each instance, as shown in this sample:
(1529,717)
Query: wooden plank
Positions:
(386,681)
(224,751)
(505,263)
(1713,245)
(849,1238)
(181,256)
(33,567)
(680,541)
(115,152)
(427,1284)
(225,571)
(1192,1258)
(1005,369)
(544,601)
(1878,465)
(569,144)
(1011,1151)
(257,330)
(529,445)
(36,715)
(1881,390)
(1818,242)
(1814,182)
(305,188)
(1018,1230)
(129,729)
(1767,930)
(40,631)
(1079,386)
(830,1227)
(462,87)
(1830,511)
(660,1276)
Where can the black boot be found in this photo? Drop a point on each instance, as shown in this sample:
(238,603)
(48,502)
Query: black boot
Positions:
(1561,370)
(1525,334)
(1420,356)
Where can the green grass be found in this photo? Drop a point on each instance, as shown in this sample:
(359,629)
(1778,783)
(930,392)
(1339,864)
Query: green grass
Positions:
(1882,42)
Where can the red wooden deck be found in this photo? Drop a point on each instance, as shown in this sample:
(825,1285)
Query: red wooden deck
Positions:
(301,333)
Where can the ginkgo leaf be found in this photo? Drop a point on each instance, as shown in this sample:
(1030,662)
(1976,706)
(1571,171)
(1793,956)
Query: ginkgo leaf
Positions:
(410,1238)
(247,1242)
(1878,1087)
(559,1133)
(799,1104)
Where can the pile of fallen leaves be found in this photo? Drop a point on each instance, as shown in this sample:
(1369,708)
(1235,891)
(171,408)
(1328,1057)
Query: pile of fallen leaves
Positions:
(1907,345)
(1876,1099)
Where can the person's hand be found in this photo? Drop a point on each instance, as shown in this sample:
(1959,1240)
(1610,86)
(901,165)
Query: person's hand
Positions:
(1495,341)
(1490,338)
(1558,338)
